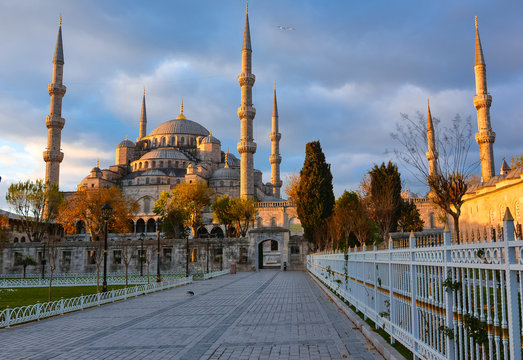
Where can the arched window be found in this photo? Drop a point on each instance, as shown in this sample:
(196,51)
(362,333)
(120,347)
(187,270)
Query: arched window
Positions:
(431,220)
(161,164)
(155,142)
(203,233)
(176,164)
(182,141)
(184,164)
(22,239)
(217,232)
(274,245)
(259,222)
(146,164)
(140,226)
(158,180)
(172,141)
(141,165)
(151,225)
(15,240)
(146,205)
(162,141)
(153,164)
(273,221)
(147,181)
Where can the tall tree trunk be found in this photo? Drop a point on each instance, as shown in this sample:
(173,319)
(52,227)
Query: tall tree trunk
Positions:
(98,278)
(455,217)
(126,274)
(51,270)
(25,266)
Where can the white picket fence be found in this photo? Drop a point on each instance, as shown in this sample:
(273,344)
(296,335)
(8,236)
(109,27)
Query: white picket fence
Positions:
(215,274)
(39,311)
(438,299)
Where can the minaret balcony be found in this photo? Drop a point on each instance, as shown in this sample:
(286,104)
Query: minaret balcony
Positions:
(275,136)
(53,156)
(485,137)
(56,89)
(54,122)
(246,112)
(275,159)
(482,101)
(246,79)
(246,147)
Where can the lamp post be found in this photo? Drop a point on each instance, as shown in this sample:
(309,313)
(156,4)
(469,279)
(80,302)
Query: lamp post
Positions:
(42,261)
(207,254)
(142,238)
(158,228)
(186,234)
(107,214)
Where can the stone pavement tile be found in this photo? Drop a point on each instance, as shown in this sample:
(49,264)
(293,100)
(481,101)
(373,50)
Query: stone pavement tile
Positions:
(264,315)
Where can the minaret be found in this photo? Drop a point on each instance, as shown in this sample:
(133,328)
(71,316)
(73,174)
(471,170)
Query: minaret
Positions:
(54,122)
(246,113)
(275,155)
(143,119)
(482,101)
(432,154)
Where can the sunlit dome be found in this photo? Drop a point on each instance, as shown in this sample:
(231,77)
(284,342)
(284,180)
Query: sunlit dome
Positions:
(162,153)
(180,125)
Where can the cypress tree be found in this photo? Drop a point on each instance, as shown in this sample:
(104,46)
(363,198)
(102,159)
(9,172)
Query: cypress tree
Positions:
(315,197)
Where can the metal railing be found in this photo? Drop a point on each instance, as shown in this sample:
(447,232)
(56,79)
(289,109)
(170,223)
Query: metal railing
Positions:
(215,274)
(39,311)
(440,300)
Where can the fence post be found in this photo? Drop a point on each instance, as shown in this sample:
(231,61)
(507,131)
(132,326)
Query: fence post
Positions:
(61,305)
(82,299)
(375,280)
(512,288)
(7,316)
(449,296)
(38,310)
(391,293)
(413,294)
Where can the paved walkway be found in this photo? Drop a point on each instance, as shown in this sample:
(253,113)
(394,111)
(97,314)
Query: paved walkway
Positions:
(264,315)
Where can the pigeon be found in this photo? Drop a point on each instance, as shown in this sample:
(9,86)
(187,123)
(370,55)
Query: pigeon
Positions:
(285,27)
(190,292)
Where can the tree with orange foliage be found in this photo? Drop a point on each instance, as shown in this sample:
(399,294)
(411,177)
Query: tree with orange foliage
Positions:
(292,181)
(86,206)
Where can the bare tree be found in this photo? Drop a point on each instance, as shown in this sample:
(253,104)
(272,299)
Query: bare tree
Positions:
(128,249)
(52,253)
(449,182)
(149,252)
(96,251)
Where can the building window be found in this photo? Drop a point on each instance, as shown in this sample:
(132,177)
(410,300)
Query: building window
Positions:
(22,239)
(153,165)
(161,164)
(91,256)
(66,258)
(167,256)
(147,181)
(182,141)
(117,257)
(194,255)
(295,249)
(273,221)
(431,219)
(274,245)
(244,255)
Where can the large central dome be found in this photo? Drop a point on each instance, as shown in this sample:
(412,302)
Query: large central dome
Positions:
(180,126)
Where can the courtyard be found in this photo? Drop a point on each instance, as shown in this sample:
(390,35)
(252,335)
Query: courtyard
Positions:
(257,315)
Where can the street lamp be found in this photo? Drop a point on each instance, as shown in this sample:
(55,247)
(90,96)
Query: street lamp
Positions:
(107,214)
(158,228)
(142,238)
(186,235)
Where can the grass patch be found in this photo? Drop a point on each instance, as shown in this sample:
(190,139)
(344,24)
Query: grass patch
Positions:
(397,345)
(15,297)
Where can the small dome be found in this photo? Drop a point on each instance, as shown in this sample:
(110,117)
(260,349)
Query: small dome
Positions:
(210,139)
(163,153)
(126,143)
(153,173)
(226,174)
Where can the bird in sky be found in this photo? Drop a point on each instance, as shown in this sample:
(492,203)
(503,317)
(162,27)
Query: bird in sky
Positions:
(285,27)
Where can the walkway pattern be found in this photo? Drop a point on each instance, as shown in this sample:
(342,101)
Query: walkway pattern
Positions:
(264,315)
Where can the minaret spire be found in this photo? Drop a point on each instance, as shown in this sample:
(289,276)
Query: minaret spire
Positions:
(246,113)
(275,158)
(482,101)
(143,119)
(54,122)
(432,154)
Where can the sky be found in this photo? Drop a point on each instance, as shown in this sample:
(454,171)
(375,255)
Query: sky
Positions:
(343,75)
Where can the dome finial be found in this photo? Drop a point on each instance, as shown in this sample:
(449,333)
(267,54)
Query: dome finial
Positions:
(210,133)
(181,116)
(98,162)
(226,166)
(126,137)
(476,18)
(60,20)
(247,8)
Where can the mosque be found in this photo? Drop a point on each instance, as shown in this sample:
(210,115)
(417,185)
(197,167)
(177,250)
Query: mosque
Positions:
(184,151)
